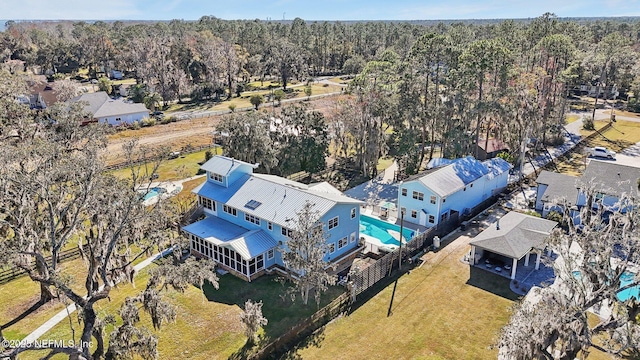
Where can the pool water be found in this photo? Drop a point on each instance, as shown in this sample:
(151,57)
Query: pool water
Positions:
(153,192)
(379,230)
(626,279)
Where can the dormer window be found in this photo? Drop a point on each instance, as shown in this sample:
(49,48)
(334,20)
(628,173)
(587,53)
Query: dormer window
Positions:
(216,177)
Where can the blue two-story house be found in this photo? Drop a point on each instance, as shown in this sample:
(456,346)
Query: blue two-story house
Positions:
(433,196)
(248,218)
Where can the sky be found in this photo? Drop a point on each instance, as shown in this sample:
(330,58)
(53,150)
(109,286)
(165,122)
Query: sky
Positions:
(310,10)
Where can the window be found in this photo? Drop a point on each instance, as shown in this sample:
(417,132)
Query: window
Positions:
(432,199)
(418,195)
(229,210)
(270,254)
(286,232)
(252,219)
(444,200)
(414,214)
(208,203)
(118,119)
(333,222)
(270,225)
(342,242)
(215,177)
(353,213)
(403,210)
(471,185)
(465,189)
(432,219)
(404,192)
(443,217)
(352,237)
(332,248)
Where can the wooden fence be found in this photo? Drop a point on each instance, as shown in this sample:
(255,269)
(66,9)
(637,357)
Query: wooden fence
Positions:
(10,273)
(304,328)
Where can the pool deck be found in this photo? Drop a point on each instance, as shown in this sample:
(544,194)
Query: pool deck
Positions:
(172,187)
(372,243)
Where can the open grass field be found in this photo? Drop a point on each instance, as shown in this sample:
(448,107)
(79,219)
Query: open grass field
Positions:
(208,324)
(441,310)
(172,169)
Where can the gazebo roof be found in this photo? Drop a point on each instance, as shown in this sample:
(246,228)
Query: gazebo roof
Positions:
(514,235)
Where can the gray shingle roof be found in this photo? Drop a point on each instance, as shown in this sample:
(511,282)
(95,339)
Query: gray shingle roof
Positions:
(101,105)
(612,178)
(559,186)
(517,235)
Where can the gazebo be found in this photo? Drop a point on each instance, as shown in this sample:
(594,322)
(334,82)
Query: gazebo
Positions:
(514,236)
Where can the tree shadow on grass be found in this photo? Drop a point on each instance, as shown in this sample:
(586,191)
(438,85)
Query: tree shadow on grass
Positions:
(24,314)
(491,282)
(314,339)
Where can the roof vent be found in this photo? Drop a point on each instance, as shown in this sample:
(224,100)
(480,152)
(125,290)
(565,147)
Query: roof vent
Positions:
(498,224)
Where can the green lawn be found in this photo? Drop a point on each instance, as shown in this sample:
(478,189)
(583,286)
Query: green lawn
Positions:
(441,310)
(207,327)
(172,169)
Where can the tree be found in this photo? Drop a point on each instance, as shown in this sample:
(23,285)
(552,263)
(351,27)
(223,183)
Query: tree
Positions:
(65,89)
(278,95)
(287,60)
(104,84)
(592,269)
(304,253)
(252,319)
(308,91)
(256,100)
(54,190)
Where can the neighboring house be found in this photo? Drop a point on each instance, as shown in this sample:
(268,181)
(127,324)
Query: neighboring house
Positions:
(553,190)
(248,217)
(435,195)
(513,237)
(490,149)
(112,111)
(609,179)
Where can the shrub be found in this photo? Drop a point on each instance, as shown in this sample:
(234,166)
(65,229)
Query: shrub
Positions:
(207,155)
(232,107)
(587,123)
(148,122)
(136,125)
(506,157)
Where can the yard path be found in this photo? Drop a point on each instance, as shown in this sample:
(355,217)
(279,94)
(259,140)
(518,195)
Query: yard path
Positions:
(57,318)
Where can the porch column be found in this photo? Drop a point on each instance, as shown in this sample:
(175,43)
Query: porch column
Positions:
(513,269)
(538,256)
(526,259)
(473,255)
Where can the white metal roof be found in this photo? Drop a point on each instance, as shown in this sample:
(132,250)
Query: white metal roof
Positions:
(224,165)
(451,178)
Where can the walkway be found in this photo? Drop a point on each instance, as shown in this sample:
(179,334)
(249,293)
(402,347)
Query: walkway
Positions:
(49,324)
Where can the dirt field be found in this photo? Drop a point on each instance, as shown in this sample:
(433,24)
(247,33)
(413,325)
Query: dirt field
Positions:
(195,132)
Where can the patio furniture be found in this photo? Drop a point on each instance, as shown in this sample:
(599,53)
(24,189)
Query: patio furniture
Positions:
(488,265)
(498,269)
(507,267)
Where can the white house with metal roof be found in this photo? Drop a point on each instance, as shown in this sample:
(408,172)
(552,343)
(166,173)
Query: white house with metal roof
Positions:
(111,111)
(248,217)
(433,196)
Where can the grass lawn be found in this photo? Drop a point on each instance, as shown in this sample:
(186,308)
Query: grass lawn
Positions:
(173,169)
(571,118)
(207,327)
(621,135)
(19,295)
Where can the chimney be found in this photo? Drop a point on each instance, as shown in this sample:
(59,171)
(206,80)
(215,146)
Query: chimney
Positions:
(498,224)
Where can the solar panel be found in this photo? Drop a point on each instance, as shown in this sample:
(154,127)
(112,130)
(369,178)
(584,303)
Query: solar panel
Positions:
(252,204)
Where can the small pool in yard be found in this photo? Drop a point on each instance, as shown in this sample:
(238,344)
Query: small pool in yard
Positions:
(153,192)
(380,230)
(626,279)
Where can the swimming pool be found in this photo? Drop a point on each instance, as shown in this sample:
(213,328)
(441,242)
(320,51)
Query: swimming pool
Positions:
(626,279)
(154,192)
(379,229)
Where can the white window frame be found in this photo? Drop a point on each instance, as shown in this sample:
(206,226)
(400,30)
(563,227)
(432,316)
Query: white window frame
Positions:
(270,254)
(403,192)
(270,225)
(353,213)
(343,242)
(417,195)
(414,214)
(216,177)
(433,199)
(432,219)
(333,223)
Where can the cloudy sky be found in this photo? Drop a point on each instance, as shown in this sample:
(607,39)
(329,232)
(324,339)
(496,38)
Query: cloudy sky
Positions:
(309,9)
